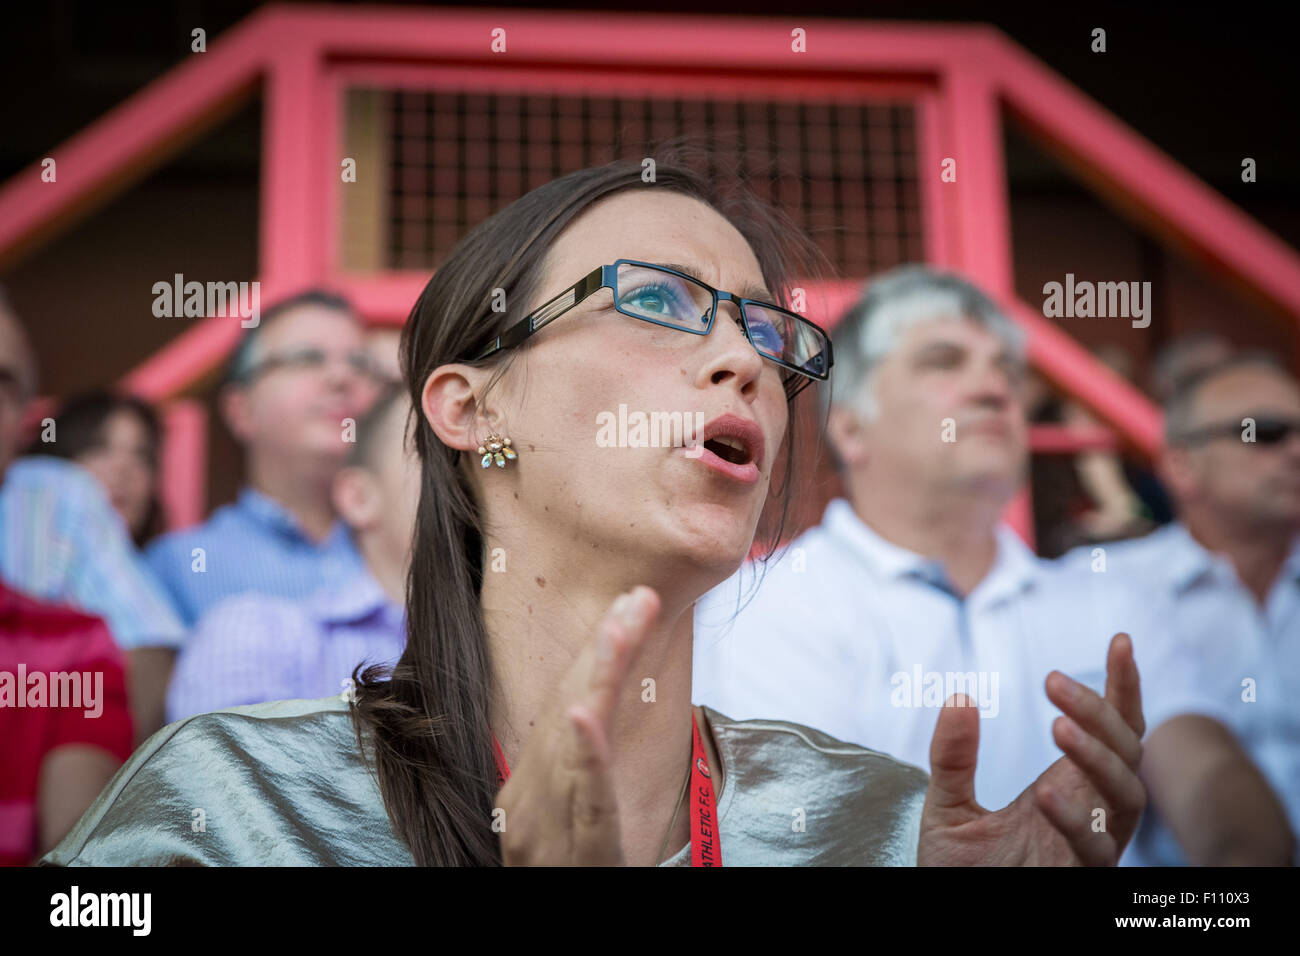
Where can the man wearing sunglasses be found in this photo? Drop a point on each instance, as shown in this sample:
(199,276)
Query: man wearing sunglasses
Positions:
(1227,573)
(292,387)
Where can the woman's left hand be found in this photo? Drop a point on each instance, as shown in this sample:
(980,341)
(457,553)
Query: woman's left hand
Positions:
(1083,810)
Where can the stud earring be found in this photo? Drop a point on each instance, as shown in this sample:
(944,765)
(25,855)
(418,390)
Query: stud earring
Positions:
(497,449)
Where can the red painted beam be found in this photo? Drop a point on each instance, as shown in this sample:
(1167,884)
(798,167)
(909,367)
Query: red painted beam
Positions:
(933,146)
(184,467)
(298,152)
(714,81)
(974,128)
(384,298)
(1078,373)
(628,39)
(196,351)
(1066,440)
(1145,184)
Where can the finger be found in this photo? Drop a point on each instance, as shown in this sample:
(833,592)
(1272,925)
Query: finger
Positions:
(1123,683)
(593,806)
(953,750)
(1095,715)
(618,644)
(1073,820)
(1113,780)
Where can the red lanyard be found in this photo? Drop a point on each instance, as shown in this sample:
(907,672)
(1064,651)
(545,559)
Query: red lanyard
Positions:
(704,829)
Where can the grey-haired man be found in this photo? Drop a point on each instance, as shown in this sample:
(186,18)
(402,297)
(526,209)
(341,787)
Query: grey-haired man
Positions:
(911,589)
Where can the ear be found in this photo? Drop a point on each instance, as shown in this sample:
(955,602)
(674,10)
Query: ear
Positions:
(233,402)
(449,403)
(357,497)
(848,434)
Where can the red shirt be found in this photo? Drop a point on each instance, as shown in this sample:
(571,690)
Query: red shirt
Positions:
(41,646)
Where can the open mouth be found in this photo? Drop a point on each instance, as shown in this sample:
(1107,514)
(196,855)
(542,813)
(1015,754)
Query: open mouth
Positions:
(729,449)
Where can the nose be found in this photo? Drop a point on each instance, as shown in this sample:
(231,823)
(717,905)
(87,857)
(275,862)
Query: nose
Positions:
(993,387)
(340,373)
(731,356)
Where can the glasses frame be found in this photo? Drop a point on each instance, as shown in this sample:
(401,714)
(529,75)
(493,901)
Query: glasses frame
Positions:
(1226,430)
(285,359)
(606,277)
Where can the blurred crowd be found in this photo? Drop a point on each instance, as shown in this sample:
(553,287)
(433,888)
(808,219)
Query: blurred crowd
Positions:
(857,627)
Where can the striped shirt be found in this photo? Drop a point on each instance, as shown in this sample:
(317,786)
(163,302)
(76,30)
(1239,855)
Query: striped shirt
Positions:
(254,648)
(61,540)
(254,545)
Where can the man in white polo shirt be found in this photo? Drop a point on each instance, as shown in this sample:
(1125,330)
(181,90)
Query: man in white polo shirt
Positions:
(1226,576)
(911,589)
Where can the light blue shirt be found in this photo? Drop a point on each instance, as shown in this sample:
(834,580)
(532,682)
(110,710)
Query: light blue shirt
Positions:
(861,638)
(256,648)
(254,545)
(1245,654)
(61,540)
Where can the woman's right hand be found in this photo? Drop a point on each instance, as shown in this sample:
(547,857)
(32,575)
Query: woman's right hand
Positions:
(559,802)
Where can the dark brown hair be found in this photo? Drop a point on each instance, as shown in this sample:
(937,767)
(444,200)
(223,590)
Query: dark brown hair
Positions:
(428,723)
(81,427)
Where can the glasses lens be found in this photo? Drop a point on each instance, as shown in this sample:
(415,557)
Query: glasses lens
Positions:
(663,297)
(362,364)
(787,338)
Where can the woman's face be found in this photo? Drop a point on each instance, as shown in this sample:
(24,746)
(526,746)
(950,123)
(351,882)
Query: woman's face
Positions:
(581,478)
(123,462)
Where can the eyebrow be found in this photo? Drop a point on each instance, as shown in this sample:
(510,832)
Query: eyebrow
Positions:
(941,345)
(748,291)
(1003,356)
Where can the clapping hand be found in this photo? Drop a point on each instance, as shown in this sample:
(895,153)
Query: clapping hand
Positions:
(1054,821)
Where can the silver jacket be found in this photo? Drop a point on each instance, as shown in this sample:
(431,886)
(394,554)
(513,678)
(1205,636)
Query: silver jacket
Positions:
(284,784)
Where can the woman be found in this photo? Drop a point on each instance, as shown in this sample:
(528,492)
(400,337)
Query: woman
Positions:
(116,438)
(550,597)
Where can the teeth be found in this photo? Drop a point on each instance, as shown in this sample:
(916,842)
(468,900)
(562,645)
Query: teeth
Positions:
(735,443)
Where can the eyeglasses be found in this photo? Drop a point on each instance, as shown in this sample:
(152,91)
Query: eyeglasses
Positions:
(1269,430)
(311,359)
(679,301)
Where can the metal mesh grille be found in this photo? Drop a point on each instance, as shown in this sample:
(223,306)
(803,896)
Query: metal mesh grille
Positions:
(846,172)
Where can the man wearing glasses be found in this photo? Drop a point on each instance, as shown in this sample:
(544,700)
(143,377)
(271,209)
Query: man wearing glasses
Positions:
(294,390)
(1227,573)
